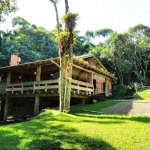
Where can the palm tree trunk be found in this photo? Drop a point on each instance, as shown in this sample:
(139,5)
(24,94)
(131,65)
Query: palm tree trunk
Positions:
(66,6)
(69,80)
(57,17)
(62,80)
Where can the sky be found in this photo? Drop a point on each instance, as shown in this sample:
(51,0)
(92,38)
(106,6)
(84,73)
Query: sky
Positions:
(117,15)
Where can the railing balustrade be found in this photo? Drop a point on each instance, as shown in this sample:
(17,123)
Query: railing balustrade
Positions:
(77,87)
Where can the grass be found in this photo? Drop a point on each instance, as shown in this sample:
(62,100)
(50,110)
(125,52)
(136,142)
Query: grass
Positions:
(78,130)
(143,95)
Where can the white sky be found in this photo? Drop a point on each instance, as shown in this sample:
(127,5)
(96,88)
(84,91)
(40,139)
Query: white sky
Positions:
(117,15)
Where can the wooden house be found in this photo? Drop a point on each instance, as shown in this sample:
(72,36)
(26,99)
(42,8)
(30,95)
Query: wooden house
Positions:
(33,86)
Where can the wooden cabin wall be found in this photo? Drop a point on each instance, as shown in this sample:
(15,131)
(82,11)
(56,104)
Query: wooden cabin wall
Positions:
(108,87)
(81,75)
(99,84)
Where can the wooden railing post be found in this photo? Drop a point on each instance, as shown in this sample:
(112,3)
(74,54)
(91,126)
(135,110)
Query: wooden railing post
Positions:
(105,87)
(45,87)
(8,77)
(78,89)
(22,88)
(38,74)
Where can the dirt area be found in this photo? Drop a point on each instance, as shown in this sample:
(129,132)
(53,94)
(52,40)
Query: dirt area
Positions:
(135,107)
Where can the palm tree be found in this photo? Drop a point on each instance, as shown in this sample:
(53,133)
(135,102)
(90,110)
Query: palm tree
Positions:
(70,22)
(66,41)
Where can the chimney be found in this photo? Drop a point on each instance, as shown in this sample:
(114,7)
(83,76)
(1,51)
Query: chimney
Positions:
(14,60)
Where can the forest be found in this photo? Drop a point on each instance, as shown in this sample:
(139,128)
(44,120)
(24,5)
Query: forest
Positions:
(126,55)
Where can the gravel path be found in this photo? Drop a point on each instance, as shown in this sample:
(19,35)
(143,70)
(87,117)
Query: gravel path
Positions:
(130,107)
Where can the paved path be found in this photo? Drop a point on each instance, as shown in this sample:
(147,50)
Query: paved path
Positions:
(135,107)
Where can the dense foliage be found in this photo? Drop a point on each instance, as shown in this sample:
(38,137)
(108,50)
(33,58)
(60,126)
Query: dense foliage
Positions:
(32,43)
(127,55)
(28,41)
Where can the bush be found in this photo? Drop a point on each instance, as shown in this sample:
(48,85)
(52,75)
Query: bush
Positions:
(122,91)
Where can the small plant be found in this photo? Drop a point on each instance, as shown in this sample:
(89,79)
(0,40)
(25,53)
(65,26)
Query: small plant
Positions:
(70,20)
(63,39)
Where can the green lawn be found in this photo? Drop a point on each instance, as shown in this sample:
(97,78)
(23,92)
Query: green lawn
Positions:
(143,95)
(78,130)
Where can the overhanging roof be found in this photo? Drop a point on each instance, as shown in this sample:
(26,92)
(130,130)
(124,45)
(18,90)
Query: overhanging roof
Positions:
(76,60)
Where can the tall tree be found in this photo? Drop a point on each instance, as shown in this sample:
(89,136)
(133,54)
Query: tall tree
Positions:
(70,23)
(66,6)
(7,7)
(56,12)
(66,40)
(114,52)
(140,56)
(30,42)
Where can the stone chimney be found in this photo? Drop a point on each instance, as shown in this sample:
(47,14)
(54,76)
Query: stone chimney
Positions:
(14,60)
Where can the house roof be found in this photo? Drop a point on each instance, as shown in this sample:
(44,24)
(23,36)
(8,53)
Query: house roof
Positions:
(94,58)
(101,69)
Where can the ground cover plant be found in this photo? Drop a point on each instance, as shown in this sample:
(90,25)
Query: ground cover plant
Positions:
(78,130)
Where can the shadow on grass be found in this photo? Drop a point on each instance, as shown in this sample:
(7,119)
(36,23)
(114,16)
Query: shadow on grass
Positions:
(8,140)
(113,118)
(71,142)
(88,115)
(48,133)
(138,97)
(114,114)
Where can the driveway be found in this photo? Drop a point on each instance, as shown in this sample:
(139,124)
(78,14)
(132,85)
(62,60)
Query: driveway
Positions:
(135,107)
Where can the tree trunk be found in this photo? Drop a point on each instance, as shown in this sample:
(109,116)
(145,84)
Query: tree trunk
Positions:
(69,80)
(62,80)
(57,17)
(66,6)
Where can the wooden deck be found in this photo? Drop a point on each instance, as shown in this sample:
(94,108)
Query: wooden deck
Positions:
(47,86)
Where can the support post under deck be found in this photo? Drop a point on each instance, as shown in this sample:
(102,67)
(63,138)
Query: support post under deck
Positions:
(36,105)
(5,109)
(83,101)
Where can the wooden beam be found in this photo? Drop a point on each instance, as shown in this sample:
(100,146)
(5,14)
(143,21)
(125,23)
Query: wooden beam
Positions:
(8,77)
(38,74)
(36,105)
(104,76)
(54,62)
(81,68)
(101,76)
(83,101)
(5,110)
(106,90)
(2,110)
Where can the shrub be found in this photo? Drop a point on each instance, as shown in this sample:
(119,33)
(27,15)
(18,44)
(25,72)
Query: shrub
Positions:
(122,91)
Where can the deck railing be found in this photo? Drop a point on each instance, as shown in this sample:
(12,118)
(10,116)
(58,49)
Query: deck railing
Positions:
(80,87)
(41,86)
(49,86)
